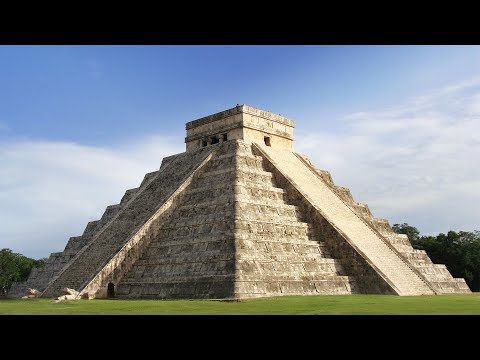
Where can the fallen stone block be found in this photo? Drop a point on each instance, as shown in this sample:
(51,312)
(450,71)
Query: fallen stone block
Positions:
(65,298)
(33,293)
(68,291)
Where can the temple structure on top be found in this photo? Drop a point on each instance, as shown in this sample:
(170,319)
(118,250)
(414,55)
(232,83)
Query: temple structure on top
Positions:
(240,123)
(239,214)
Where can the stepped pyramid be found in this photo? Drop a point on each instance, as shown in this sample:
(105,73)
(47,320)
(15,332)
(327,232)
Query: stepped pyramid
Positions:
(239,215)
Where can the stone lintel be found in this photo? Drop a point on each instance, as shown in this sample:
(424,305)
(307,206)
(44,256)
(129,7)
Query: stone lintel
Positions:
(221,129)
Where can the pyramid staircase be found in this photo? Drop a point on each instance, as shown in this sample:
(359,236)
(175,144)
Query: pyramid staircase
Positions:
(234,235)
(437,275)
(138,207)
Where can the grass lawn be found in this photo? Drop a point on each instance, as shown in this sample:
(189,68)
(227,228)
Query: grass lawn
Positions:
(350,304)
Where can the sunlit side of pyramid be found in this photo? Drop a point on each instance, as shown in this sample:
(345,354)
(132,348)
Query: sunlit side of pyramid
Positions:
(239,215)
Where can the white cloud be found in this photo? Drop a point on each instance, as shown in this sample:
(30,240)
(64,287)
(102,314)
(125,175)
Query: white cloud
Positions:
(415,163)
(474,105)
(50,190)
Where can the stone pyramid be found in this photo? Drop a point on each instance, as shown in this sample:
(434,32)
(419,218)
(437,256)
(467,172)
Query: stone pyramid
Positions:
(239,215)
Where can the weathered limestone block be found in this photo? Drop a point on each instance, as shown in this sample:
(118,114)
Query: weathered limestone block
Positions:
(33,292)
(68,291)
(65,298)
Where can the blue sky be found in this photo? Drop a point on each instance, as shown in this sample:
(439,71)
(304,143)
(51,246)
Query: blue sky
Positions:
(79,125)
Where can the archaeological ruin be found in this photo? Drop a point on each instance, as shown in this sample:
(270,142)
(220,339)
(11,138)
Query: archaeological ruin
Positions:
(239,214)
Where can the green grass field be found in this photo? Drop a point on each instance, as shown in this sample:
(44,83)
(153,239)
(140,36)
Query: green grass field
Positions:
(352,304)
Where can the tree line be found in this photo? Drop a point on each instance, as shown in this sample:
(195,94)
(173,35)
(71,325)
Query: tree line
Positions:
(459,251)
(15,268)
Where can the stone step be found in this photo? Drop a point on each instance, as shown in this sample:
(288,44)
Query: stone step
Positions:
(451,287)
(410,255)
(249,161)
(208,288)
(362,210)
(285,217)
(235,160)
(218,206)
(129,194)
(203,224)
(290,244)
(213,227)
(281,250)
(303,238)
(235,187)
(254,205)
(91,228)
(251,195)
(418,263)
(240,155)
(203,220)
(277,252)
(179,271)
(148,178)
(177,279)
(433,270)
(283,262)
(215,251)
(167,237)
(166,160)
(276,226)
(244,176)
(398,239)
(382,226)
(404,249)
(290,276)
(264,199)
(244,207)
(438,277)
(336,285)
(326,176)
(109,213)
(345,194)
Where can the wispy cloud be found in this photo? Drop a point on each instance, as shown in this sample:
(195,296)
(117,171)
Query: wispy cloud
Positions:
(50,190)
(415,162)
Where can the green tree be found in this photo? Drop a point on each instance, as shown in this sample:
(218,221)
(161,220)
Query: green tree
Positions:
(471,248)
(15,267)
(460,252)
(8,270)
